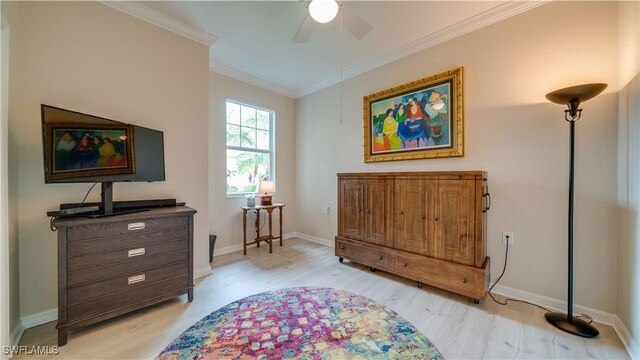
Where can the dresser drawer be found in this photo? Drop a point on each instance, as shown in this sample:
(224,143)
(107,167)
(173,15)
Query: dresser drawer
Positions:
(451,276)
(98,273)
(125,298)
(132,241)
(126,282)
(368,255)
(130,253)
(91,231)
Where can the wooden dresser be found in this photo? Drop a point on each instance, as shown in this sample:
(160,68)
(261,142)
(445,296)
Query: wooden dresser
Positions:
(425,226)
(113,265)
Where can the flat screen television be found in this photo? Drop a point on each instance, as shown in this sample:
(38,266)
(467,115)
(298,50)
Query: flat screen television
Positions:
(82,148)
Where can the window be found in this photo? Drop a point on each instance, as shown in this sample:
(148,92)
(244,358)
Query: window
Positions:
(249,147)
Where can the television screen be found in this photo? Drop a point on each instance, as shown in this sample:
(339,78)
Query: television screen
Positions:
(86,148)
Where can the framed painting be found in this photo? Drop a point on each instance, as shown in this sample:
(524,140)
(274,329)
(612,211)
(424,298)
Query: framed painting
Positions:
(419,120)
(75,151)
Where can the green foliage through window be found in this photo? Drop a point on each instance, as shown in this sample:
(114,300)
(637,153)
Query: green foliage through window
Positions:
(249,147)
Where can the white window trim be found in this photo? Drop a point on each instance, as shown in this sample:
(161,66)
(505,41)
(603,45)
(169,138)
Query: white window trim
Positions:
(272,146)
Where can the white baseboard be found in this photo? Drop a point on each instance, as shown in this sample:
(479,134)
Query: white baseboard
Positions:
(315,239)
(625,336)
(226,250)
(202,272)
(16,333)
(40,318)
(555,304)
(238,247)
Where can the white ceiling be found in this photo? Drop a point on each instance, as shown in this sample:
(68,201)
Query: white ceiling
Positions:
(254,37)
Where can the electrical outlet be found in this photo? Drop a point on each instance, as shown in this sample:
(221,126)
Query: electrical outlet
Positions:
(507,236)
(327,210)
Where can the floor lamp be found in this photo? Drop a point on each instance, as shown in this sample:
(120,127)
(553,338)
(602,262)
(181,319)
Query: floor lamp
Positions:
(572,97)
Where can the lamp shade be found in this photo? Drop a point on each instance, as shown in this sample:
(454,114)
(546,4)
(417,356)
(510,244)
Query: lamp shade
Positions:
(266,187)
(323,11)
(578,93)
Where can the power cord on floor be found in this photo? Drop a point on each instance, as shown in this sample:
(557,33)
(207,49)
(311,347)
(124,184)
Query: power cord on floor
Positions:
(506,300)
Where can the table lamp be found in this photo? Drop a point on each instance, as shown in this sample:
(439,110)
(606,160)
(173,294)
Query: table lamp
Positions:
(266,187)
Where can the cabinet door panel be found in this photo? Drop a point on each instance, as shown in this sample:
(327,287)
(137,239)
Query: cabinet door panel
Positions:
(454,229)
(378,212)
(411,216)
(351,207)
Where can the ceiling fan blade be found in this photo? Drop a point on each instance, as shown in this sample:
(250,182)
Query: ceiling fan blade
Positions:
(356,26)
(304,31)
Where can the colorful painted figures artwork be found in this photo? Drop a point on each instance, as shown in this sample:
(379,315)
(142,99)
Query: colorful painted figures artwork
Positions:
(89,149)
(416,120)
(404,122)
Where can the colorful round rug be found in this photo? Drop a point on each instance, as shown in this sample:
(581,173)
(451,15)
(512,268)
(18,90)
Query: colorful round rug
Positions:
(302,323)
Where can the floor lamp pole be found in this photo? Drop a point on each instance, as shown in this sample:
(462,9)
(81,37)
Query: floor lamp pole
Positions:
(572,97)
(572,134)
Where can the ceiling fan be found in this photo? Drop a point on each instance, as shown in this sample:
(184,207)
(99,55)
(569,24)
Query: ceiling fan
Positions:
(323,11)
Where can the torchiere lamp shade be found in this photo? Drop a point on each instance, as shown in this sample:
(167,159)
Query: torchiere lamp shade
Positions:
(580,93)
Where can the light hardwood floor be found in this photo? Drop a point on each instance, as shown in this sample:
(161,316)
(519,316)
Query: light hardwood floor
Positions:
(458,328)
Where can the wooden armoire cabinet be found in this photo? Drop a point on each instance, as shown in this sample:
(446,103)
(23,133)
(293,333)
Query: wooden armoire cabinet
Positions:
(426,226)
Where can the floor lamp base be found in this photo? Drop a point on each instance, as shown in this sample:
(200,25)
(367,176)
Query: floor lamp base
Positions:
(574,326)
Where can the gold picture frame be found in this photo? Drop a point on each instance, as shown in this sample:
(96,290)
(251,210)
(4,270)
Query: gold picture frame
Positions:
(422,119)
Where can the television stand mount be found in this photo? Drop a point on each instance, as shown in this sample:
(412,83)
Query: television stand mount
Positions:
(108,207)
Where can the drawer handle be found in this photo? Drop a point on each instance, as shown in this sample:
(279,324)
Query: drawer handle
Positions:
(136,226)
(359,210)
(136,252)
(464,281)
(379,257)
(136,279)
(341,247)
(435,218)
(422,217)
(368,210)
(405,265)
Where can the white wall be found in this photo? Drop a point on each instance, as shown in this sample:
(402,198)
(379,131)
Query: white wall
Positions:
(225,216)
(512,132)
(629,169)
(90,58)
(9,222)
(6,323)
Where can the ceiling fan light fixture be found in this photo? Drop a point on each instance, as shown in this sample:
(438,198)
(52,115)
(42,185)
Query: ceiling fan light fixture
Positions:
(323,11)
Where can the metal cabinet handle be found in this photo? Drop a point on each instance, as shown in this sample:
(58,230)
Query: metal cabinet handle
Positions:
(422,217)
(136,279)
(359,210)
(405,265)
(488,196)
(379,257)
(136,252)
(368,210)
(135,226)
(342,247)
(435,218)
(464,281)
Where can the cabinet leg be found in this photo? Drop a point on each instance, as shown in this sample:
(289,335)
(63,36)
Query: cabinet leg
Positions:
(373,269)
(340,260)
(476,301)
(62,336)
(420,285)
(190,295)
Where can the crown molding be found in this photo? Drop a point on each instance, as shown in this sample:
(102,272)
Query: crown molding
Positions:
(250,79)
(166,22)
(486,18)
